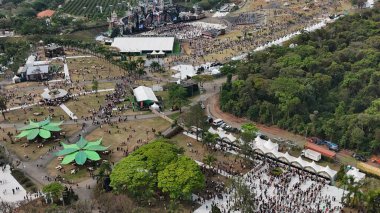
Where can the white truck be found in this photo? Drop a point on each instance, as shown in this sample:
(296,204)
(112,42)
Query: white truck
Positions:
(311,154)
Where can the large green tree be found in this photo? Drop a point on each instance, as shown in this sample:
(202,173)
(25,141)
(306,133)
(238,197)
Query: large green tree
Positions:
(53,191)
(181,178)
(138,173)
(177,96)
(195,116)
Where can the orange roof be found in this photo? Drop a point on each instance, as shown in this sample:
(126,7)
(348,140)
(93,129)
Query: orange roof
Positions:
(45,13)
(324,151)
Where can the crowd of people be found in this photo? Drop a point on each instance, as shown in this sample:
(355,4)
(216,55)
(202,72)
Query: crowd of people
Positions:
(294,190)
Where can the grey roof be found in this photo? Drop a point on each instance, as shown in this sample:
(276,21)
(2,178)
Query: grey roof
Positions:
(60,94)
(43,69)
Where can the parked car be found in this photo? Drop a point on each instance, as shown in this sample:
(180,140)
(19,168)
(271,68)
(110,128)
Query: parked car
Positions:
(218,122)
(359,157)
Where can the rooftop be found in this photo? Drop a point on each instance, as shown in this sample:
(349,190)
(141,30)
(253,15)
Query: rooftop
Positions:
(45,13)
(143,44)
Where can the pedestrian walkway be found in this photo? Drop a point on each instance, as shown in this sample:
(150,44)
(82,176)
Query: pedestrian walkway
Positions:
(79,56)
(20,107)
(66,71)
(68,112)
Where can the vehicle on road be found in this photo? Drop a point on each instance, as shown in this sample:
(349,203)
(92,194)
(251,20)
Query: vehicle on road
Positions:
(359,157)
(329,144)
(217,122)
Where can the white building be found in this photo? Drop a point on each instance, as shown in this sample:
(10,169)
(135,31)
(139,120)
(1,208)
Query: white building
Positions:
(144,44)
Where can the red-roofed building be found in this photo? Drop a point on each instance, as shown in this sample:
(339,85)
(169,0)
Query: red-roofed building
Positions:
(45,13)
(324,151)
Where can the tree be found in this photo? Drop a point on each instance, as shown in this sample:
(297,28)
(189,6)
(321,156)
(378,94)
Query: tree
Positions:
(53,191)
(248,132)
(195,117)
(132,175)
(140,61)
(42,128)
(354,197)
(177,96)
(137,173)
(209,138)
(155,66)
(81,151)
(201,79)
(181,178)
(95,86)
(373,201)
(244,199)
(115,32)
(3,105)
(209,159)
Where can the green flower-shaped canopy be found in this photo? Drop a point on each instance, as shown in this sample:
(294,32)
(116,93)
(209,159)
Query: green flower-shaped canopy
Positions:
(80,151)
(42,128)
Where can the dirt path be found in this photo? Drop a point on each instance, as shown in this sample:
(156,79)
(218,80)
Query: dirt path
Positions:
(271,131)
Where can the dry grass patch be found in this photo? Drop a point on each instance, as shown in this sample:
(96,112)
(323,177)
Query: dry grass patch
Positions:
(32,151)
(115,135)
(92,68)
(82,107)
(35,112)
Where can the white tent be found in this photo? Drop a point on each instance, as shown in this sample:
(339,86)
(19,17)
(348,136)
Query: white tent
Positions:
(356,174)
(155,107)
(143,44)
(16,79)
(270,148)
(143,93)
(222,134)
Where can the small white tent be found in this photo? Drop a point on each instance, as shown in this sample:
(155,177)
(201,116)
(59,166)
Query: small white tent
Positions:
(16,79)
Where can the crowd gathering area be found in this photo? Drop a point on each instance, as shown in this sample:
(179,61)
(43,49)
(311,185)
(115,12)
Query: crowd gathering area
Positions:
(89,116)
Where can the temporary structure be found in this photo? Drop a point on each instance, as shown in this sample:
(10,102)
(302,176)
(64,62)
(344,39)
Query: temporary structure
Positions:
(356,174)
(269,148)
(144,96)
(155,107)
(16,79)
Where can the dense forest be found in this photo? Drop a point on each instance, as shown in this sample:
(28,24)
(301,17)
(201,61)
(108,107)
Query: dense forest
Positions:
(326,84)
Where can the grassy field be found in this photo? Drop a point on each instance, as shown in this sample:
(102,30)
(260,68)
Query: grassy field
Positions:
(86,103)
(92,68)
(23,115)
(32,151)
(114,136)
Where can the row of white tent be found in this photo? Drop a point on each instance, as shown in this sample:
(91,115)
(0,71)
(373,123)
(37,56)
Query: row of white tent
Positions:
(269,148)
(222,134)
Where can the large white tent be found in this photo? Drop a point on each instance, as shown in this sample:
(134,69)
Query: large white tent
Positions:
(144,44)
(267,147)
(143,93)
(222,134)
(356,174)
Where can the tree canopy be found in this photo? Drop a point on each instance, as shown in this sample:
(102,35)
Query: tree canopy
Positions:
(53,190)
(180,178)
(153,167)
(328,85)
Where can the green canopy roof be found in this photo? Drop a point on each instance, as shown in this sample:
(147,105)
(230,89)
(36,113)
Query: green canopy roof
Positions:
(42,128)
(81,151)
